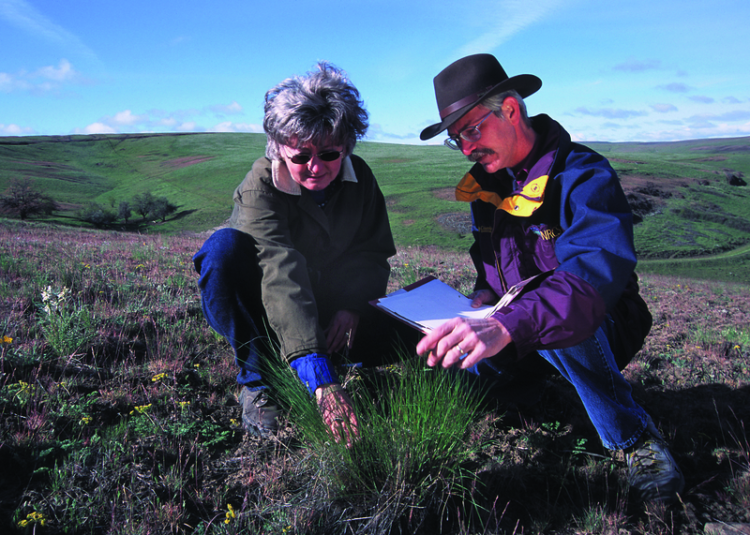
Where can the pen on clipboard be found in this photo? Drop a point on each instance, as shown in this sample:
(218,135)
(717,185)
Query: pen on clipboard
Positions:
(348,344)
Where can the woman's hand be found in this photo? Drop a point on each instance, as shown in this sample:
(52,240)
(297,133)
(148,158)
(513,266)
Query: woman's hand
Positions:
(338,413)
(340,333)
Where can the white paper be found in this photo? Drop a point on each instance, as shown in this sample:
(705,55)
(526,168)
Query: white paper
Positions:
(432,304)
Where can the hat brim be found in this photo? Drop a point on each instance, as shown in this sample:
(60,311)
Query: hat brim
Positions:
(524,84)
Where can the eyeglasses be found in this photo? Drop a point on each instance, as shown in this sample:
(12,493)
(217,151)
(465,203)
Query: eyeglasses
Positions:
(327,156)
(471,134)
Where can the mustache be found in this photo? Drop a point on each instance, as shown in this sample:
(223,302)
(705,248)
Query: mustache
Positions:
(479,154)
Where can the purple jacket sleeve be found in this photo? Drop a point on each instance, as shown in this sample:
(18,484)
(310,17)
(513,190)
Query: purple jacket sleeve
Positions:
(596,257)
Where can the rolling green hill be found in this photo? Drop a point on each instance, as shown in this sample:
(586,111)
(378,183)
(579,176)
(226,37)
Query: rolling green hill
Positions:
(680,190)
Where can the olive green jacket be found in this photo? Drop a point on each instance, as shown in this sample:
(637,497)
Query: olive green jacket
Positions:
(314,261)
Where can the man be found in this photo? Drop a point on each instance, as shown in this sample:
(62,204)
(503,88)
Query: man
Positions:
(549,214)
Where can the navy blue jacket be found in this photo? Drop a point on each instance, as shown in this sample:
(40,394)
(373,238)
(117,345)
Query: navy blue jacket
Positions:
(564,219)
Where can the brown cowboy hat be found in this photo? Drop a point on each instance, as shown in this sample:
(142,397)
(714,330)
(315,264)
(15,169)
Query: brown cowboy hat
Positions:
(465,83)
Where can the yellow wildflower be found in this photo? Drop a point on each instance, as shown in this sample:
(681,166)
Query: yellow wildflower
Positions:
(141,408)
(7,340)
(231,515)
(158,377)
(33,518)
(23,387)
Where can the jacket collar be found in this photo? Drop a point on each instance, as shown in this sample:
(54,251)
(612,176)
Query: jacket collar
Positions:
(283,181)
(528,196)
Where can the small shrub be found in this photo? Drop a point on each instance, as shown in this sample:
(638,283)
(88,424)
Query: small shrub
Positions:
(67,326)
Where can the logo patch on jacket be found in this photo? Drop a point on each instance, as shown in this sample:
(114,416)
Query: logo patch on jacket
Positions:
(546,233)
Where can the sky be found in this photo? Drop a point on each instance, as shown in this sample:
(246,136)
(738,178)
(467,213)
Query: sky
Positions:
(634,70)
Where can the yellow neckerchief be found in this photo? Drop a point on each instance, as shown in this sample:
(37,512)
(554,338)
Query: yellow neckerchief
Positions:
(521,204)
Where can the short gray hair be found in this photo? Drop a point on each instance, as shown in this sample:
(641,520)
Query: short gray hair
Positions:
(495,104)
(320,106)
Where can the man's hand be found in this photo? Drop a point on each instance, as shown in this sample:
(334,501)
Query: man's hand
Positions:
(338,413)
(340,333)
(465,341)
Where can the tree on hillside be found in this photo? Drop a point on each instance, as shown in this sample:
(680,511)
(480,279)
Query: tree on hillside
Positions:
(97,215)
(24,199)
(143,203)
(161,208)
(152,207)
(124,211)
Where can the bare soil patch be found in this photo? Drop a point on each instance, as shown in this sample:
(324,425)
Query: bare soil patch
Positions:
(456,222)
(445,194)
(179,163)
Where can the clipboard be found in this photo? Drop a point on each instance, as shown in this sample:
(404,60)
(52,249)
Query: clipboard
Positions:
(429,302)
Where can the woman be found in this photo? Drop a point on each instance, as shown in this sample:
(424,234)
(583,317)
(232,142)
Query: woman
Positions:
(307,249)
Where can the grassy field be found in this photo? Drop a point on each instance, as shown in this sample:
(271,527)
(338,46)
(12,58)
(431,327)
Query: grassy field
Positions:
(117,402)
(118,414)
(689,210)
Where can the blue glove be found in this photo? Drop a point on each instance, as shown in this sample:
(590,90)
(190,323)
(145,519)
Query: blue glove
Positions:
(315,370)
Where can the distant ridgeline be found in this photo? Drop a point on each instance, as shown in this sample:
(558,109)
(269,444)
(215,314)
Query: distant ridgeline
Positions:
(689,198)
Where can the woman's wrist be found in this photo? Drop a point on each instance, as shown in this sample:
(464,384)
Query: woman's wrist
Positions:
(324,390)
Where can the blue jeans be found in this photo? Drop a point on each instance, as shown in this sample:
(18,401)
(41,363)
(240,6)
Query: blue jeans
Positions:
(590,367)
(230,296)
(230,285)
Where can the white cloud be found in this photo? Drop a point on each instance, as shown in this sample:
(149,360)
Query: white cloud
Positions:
(702,99)
(15,130)
(96,128)
(610,113)
(517,15)
(166,121)
(377,133)
(127,118)
(229,109)
(730,116)
(63,72)
(698,130)
(634,65)
(43,80)
(22,14)
(663,108)
(676,87)
(11,82)
(229,126)
(188,126)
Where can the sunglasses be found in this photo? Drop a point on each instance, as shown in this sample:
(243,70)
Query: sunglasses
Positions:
(326,155)
(472,134)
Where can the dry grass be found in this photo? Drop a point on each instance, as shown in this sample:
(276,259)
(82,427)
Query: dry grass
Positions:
(135,430)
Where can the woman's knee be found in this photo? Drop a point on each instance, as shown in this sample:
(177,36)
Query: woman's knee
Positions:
(226,250)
